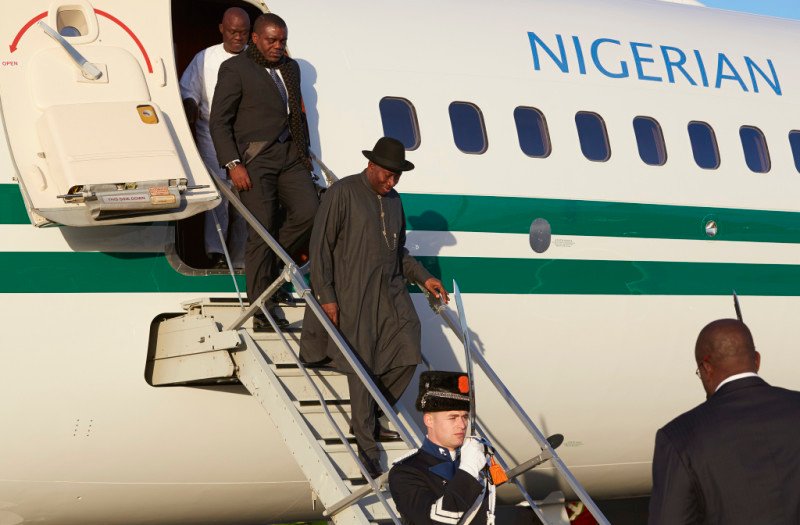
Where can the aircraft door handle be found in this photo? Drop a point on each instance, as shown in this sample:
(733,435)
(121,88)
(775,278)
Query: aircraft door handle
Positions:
(88,69)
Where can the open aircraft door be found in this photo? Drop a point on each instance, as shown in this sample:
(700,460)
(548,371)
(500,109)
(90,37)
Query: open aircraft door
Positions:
(93,114)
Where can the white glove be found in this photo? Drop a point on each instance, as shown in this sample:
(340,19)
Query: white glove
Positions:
(473,457)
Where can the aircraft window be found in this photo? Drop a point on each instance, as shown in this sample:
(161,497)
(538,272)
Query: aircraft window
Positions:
(650,141)
(469,132)
(756,153)
(794,142)
(704,145)
(593,136)
(532,132)
(400,121)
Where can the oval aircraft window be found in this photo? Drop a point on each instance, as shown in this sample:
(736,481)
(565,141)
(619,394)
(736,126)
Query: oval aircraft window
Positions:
(794,143)
(534,139)
(593,136)
(469,131)
(650,141)
(704,145)
(400,121)
(755,149)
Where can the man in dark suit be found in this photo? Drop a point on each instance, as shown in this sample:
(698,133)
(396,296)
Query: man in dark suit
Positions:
(260,135)
(734,459)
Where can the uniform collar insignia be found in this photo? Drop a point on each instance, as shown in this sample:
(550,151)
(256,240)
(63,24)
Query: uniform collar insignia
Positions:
(436,451)
(446,469)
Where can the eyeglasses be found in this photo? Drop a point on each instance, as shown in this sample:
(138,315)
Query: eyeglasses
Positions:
(697,370)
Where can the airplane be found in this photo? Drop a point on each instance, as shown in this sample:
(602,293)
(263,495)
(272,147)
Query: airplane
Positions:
(598,175)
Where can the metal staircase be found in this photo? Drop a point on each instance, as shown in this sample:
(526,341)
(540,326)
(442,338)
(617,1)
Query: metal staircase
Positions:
(310,406)
(213,342)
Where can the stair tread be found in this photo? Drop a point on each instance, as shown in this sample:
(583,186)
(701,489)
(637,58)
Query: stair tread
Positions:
(288,371)
(389,446)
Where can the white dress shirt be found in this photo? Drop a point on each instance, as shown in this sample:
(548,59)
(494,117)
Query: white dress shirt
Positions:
(735,377)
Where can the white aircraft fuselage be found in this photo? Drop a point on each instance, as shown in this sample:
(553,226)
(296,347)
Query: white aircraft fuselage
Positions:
(594,335)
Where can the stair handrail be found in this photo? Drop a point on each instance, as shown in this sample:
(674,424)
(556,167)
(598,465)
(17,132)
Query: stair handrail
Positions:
(330,176)
(292,274)
(447,315)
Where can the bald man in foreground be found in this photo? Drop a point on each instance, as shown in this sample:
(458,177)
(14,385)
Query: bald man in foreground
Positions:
(734,459)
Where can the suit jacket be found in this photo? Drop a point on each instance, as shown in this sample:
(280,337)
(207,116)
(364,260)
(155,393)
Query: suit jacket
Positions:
(247,108)
(734,459)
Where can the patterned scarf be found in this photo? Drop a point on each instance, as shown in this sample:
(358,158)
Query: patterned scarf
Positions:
(298,126)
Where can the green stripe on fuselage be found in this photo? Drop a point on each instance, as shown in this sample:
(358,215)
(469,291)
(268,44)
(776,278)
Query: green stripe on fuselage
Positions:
(12,207)
(573,277)
(64,272)
(473,213)
(90,272)
(93,272)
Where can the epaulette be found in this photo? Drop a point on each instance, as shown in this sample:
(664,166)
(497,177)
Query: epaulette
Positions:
(404,457)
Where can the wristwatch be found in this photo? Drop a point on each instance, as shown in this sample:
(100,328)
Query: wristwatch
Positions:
(232,164)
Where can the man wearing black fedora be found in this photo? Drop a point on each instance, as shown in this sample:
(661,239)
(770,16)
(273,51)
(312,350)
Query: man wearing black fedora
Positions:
(359,267)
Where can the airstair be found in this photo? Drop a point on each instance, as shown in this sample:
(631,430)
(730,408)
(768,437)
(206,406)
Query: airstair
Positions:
(213,342)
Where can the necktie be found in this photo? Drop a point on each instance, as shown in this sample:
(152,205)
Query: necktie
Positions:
(284,136)
(279,84)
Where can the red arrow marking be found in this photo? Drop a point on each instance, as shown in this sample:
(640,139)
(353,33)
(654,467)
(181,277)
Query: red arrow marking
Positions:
(131,33)
(13,46)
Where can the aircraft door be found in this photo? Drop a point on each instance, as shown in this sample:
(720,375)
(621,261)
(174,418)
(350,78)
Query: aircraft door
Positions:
(93,114)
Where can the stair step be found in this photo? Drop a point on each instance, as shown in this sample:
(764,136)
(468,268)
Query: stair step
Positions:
(227,310)
(348,468)
(320,425)
(332,385)
(294,371)
(276,350)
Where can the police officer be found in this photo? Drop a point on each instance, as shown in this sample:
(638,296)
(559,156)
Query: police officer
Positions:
(445,481)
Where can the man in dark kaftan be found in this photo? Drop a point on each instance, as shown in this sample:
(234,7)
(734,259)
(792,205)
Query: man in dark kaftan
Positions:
(359,267)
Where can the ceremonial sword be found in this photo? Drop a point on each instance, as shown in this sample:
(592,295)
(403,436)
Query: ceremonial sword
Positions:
(462,318)
(736,307)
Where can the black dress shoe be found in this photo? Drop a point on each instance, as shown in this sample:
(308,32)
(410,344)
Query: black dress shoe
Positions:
(325,362)
(282,296)
(372,465)
(382,433)
(260,323)
(218,261)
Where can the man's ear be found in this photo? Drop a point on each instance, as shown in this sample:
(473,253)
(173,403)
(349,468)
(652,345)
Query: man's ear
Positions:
(427,418)
(758,360)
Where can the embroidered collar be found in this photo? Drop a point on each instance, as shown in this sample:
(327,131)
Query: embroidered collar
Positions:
(447,467)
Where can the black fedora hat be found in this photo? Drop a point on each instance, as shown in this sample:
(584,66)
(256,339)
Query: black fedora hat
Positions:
(389,154)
